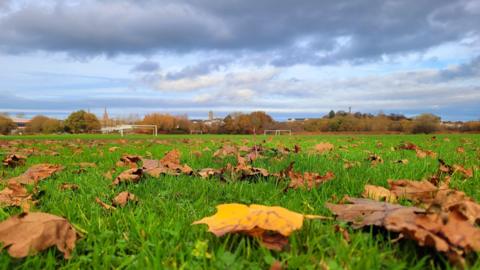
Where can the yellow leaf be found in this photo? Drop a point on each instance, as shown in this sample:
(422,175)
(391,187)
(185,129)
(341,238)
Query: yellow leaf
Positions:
(236,217)
(379,194)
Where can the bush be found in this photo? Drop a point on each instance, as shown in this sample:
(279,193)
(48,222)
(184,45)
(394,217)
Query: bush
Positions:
(35,125)
(82,122)
(167,122)
(6,125)
(426,123)
(52,126)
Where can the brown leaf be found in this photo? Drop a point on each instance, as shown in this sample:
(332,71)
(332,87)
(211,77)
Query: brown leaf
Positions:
(375,159)
(69,186)
(467,173)
(129,176)
(37,173)
(169,164)
(129,161)
(324,147)
(276,265)
(14,160)
(123,198)
(418,191)
(14,195)
(365,212)
(209,172)
(104,205)
(425,153)
(308,180)
(226,150)
(343,231)
(27,234)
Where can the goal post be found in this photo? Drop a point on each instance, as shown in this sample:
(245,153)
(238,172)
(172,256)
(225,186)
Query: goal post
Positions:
(277,132)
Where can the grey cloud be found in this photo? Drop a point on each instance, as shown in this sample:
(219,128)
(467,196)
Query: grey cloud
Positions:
(202,68)
(471,69)
(288,32)
(146,66)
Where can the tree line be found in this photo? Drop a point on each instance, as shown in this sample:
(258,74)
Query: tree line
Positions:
(246,123)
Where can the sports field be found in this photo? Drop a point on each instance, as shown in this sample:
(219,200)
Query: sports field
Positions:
(155,231)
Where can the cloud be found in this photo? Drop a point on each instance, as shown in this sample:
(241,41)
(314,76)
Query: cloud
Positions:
(467,70)
(146,66)
(284,33)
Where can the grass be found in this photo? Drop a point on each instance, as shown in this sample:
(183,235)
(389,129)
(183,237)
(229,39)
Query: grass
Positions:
(156,233)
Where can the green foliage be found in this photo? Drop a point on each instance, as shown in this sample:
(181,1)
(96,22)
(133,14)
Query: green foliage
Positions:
(6,125)
(82,122)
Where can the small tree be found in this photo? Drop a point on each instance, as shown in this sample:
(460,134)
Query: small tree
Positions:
(426,123)
(82,122)
(36,124)
(52,126)
(6,125)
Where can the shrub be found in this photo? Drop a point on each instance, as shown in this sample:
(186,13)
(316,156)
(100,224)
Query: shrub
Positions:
(36,124)
(6,125)
(426,123)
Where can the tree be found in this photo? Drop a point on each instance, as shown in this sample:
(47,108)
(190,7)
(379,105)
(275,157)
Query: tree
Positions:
(81,122)
(6,125)
(426,123)
(331,114)
(167,122)
(52,126)
(35,125)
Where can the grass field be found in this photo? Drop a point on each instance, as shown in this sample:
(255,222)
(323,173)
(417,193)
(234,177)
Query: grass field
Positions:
(157,233)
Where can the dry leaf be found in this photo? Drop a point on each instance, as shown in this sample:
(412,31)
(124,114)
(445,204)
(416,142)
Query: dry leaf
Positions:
(418,191)
(14,160)
(37,173)
(104,205)
(129,161)
(169,164)
(308,180)
(14,195)
(379,194)
(324,147)
(123,198)
(27,234)
(129,176)
(69,186)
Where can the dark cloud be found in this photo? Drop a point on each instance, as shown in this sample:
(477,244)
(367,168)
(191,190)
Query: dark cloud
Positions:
(146,66)
(284,32)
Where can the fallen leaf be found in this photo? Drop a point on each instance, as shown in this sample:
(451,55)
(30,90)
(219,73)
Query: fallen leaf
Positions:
(343,231)
(104,205)
(419,191)
(129,161)
(123,198)
(467,173)
(14,160)
(37,173)
(14,194)
(308,180)
(323,147)
(272,225)
(29,233)
(375,159)
(69,186)
(276,265)
(129,176)
(379,193)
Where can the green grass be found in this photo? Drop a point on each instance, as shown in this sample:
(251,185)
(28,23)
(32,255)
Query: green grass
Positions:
(157,233)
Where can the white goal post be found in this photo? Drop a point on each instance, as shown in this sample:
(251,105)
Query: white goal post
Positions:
(277,131)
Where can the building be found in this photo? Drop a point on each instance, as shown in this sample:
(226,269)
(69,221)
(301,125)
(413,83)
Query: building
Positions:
(20,122)
(210,115)
(297,119)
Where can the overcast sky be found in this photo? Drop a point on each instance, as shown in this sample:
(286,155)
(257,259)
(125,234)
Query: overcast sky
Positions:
(287,57)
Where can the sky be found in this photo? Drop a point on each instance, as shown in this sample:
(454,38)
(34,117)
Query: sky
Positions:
(290,58)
